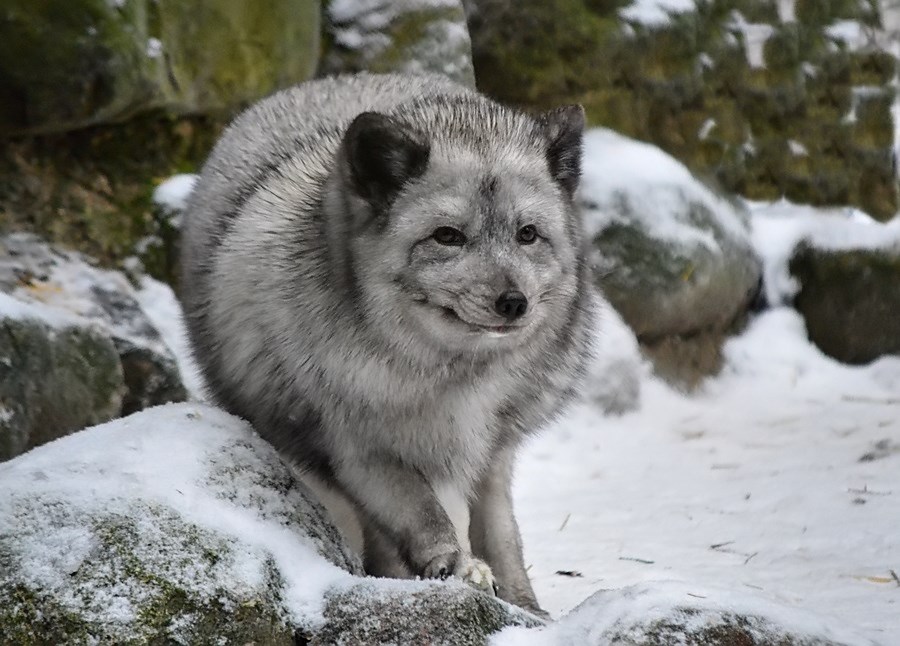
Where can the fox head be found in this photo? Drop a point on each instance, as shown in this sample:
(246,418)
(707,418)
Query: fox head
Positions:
(460,221)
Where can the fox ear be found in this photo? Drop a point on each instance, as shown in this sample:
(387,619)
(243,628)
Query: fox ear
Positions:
(564,129)
(383,154)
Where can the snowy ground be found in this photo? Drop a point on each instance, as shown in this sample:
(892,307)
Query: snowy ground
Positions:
(759,481)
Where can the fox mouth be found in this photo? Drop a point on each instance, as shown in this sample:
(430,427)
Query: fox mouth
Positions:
(450,314)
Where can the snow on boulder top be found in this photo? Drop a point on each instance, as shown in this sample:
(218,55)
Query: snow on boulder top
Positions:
(779,227)
(624,175)
(64,288)
(655,13)
(173,193)
(14,308)
(674,612)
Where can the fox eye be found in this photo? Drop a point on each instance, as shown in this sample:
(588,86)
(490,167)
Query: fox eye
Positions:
(449,236)
(527,234)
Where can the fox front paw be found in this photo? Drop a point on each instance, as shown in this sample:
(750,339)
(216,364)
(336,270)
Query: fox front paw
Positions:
(473,571)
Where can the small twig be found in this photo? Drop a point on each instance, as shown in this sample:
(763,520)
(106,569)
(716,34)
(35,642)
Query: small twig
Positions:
(636,560)
(860,399)
(895,577)
(575,574)
(696,596)
(868,492)
(720,545)
(565,522)
(747,560)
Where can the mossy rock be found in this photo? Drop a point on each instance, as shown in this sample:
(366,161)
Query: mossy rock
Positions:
(66,64)
(54,381)
(850,300)
(92,189)
(179,525)
(142,561)
(77,348)
(415,37)
(661,82)
(539,53)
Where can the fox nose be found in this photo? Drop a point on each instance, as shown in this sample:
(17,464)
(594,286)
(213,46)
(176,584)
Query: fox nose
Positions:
(511,305)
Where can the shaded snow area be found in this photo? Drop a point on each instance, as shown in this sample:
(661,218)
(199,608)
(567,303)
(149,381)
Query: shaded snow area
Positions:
(162,308)
(781,479)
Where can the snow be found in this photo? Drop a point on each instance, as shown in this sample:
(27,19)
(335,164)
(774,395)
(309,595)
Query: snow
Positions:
(655,13)
(68,290)
(172,194)
(154,48)
(778,227)
(161,306)
(652,184)
(849,32)
(755,36)
(755,482)
(16,309)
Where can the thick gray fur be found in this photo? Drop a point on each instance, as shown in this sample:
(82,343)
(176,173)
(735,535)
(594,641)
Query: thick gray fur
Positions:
(321,309)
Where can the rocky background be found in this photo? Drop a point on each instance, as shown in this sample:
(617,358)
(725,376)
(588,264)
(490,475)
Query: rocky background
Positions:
(102,100)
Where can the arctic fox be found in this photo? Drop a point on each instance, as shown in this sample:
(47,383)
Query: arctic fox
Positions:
(385,275)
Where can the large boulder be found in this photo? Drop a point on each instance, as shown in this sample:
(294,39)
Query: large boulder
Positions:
(673,257)
(78,347)
(180,525)
(66,64)
(410,36)
(665,613)
(850,299)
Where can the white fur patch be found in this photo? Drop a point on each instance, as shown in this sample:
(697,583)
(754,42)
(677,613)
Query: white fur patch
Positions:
(454,502)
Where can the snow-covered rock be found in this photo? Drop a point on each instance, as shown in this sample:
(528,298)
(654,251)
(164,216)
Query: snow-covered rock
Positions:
(180,525)
(78,348)
(840,269)
(673,258)
(408,36)
(668,612)
(56,376)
